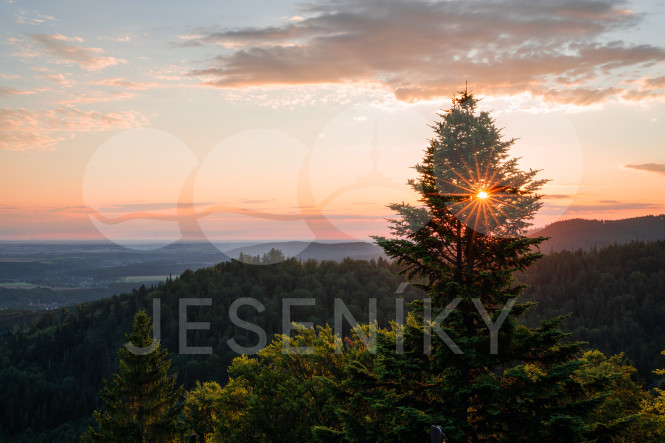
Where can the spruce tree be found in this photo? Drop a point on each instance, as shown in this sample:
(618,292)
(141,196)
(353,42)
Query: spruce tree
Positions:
(141,400)
(462,247)
(467,237)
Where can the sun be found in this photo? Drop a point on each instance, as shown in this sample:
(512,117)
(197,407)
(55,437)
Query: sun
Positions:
(482,195)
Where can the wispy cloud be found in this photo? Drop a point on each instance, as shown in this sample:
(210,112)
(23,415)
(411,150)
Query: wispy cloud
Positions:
(146,206)
(60,79)
(7,91)
(603,206)
(421,49)
(658,168)
(34,18)
(121,39)
(96,97)
(22,130)
(556,196)
(127,84)
(65,50)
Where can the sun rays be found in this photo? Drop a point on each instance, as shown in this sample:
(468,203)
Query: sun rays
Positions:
(486,199)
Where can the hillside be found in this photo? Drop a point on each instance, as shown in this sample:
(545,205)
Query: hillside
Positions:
(51,372)
(575,234)
(615,297)
(37,276)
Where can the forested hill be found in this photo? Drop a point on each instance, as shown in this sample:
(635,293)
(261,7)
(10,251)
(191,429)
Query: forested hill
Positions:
(615,297)
(575,234)
(51,373)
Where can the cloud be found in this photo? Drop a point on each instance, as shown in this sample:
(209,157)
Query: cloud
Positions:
(22,18)
(421,49)
(122,39)
(6,91)
(146,207)
(556,196)
(251,202)
(96,97)
(22,130)
(127,84)
(80,209)
(658,82)
(60,79)
(65,51)
(610,206)
(658,168)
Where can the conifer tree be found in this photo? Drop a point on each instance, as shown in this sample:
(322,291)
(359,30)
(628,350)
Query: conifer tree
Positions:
(141,400)
(468,235)
(462,247)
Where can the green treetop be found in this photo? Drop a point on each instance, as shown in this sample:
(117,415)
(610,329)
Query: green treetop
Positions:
(141,400)
(476,205)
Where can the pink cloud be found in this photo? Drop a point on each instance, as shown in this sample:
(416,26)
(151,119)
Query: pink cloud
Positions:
(65,51)
(658,82)
(22,130)
(7,91)
(96,97)
(127,84)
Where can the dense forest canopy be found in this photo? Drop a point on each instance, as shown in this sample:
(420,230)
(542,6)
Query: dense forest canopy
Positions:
(52,371)
(54,367)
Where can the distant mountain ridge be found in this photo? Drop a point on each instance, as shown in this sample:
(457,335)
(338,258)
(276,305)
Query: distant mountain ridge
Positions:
(569,235)
(585,234)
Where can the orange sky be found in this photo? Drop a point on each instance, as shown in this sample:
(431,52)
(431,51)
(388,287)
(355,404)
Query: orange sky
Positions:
(140,121)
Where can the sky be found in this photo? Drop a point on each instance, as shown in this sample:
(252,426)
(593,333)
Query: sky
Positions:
(155,121)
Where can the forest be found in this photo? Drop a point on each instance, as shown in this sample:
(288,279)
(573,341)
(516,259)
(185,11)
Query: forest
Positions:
(615,299)
(53,369)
